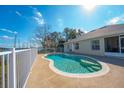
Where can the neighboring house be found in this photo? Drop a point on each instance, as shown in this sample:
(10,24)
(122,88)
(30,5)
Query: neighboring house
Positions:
(60,47)
(4,49)
(108,40)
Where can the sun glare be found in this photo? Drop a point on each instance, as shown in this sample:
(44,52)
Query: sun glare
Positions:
(89,7)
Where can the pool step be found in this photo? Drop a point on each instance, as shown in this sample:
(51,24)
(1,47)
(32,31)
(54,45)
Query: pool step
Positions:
(90,69)
(90,66)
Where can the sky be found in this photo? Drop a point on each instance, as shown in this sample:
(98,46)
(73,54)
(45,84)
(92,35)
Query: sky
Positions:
(23,20)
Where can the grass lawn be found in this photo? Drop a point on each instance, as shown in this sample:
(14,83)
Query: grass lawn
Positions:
(1,74)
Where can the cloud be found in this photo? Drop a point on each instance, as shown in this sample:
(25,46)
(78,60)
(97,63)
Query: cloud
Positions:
(82,29)
(36,38)
(40,21)
(33,39)
(37,16)
(6,37)
(9,31)
(85,31)
(18,13)
(116,20)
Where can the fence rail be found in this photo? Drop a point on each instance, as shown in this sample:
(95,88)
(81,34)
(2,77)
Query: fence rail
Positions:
(15,66)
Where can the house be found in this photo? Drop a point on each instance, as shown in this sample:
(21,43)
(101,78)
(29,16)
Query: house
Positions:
(107,40)
(60,46)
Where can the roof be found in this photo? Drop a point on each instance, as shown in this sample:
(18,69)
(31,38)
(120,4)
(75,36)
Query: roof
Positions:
(101,32)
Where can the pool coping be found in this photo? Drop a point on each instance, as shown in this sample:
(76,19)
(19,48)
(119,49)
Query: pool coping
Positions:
(105,68)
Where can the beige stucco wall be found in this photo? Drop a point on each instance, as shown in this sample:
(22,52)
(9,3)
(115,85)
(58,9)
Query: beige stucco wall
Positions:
(86,48)
(67,47)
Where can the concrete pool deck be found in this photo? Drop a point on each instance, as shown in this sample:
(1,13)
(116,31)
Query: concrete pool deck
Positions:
(42,76)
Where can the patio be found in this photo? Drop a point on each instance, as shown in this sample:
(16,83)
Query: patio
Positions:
(42,76)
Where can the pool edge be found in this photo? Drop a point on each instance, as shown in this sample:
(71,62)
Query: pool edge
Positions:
(105,69)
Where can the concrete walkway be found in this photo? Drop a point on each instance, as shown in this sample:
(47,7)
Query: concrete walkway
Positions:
(43,77)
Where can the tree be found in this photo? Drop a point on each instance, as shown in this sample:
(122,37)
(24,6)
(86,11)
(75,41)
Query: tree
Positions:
(79,32)
(40,36)
(56,40)
(67,33)
(71,33)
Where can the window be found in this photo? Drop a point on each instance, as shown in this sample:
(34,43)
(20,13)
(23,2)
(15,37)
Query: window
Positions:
(76,45)
(68,46)
(95,45)
(121,35)
(122,45)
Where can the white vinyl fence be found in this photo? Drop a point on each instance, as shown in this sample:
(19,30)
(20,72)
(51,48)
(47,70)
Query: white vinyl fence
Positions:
(16,66)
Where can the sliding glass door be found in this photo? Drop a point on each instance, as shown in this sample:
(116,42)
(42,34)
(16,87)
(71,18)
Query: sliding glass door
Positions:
(112,44)
(122,44)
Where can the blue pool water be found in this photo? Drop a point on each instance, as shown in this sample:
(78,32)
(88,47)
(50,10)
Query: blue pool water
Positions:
(74,63)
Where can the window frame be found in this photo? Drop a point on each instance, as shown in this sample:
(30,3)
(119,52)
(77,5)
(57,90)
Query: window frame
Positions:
(76,46)
(95,44)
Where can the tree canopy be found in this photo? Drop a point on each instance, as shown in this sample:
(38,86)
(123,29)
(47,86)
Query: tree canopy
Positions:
(54,39)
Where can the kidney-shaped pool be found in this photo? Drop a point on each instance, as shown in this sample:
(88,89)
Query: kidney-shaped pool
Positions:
(76,65)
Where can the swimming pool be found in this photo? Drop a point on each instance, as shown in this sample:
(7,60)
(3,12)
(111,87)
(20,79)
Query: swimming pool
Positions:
(75,65)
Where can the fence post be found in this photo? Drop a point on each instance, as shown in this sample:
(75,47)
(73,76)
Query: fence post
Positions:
(3,72)
(14,67)
(8,72)
(30,56)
